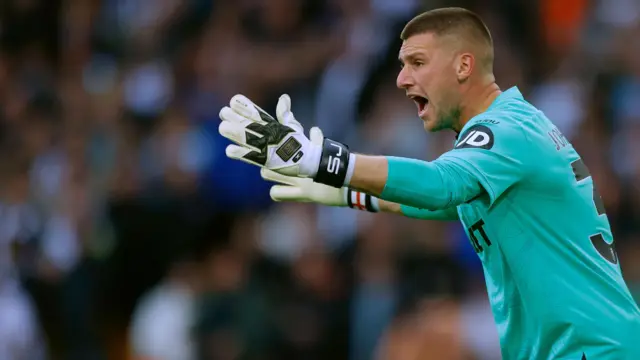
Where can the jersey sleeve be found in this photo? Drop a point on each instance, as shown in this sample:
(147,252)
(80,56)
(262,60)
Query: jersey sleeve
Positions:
(447,214)
(435,185)
(489,157)
(495,153)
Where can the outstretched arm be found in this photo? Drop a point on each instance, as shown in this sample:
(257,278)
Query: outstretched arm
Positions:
(362,201)
(436,185)
(448,214)
(489,157)
(296,189)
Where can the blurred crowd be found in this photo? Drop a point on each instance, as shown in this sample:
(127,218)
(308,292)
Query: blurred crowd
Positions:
(125,232)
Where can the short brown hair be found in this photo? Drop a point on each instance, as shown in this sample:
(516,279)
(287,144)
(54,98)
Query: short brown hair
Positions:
(456,21)
(446,21)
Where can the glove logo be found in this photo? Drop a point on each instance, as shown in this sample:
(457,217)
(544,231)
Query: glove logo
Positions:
(478,136)
(298,157)
(288,149)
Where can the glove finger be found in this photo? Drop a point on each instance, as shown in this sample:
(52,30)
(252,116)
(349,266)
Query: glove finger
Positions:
(287,193)
(316,136)
(271,175)
(284,114)
(234,132)
(245,107)
(283,107)
(247,155)
(228,114)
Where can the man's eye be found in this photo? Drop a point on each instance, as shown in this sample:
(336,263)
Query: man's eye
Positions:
(418,63)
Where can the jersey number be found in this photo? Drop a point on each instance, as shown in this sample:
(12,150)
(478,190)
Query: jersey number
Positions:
(606,250)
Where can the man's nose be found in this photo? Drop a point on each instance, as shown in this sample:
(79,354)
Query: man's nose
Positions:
(404,80)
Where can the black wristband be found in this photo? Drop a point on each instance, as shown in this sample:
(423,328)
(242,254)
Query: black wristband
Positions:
(360,201)
(334,163)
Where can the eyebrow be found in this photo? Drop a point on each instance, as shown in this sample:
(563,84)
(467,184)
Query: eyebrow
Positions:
(409,57)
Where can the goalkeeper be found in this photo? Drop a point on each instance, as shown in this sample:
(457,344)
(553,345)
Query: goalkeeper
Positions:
(524,195)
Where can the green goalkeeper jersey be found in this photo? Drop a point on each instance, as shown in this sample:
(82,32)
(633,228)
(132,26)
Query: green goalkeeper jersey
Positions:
(540,228)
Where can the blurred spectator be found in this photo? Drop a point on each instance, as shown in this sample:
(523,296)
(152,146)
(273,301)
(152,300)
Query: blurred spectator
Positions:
(125,230)
(163,320)
(20,333)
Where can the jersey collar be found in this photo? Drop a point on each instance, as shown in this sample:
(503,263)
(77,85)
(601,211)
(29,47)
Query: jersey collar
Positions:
(511,93)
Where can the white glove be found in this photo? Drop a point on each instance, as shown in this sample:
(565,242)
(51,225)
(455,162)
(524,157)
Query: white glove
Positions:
(280,145)
(302,189)
(307,191)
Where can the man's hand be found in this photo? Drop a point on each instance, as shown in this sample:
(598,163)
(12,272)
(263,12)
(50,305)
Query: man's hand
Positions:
(302,190)
(305,190)
(280,145)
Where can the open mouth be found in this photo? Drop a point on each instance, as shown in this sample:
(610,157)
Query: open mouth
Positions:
(421,102)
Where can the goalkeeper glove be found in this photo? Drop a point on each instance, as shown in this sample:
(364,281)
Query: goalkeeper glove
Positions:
(305,190)
(281,145)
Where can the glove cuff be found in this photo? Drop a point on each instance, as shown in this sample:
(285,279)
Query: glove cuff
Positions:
(361,201)
(334,164)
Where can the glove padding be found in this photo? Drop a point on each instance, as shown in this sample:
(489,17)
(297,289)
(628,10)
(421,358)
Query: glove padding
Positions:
(279,145)
(305,190)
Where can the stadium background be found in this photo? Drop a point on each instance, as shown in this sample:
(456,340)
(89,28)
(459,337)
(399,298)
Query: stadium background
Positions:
(124,230)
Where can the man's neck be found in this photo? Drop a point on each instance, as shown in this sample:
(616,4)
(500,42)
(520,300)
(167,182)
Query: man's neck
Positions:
(477,100)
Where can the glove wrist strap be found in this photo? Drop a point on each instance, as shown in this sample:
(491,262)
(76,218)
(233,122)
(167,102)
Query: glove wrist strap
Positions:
(361,201)
(334,164)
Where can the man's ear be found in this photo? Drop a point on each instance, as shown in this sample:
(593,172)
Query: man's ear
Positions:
(464,66)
